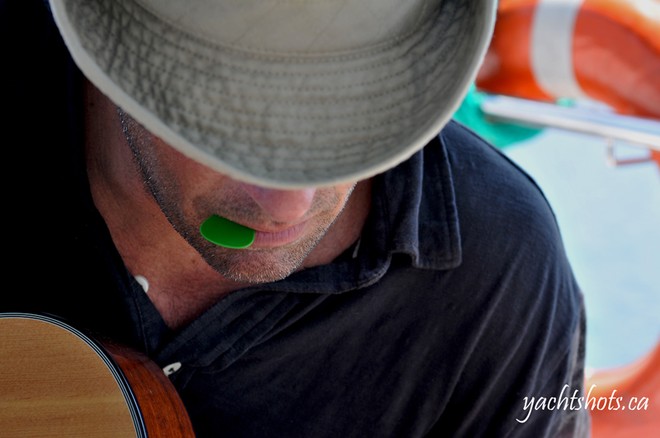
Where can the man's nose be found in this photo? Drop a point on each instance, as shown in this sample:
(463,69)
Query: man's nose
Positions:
(282,205)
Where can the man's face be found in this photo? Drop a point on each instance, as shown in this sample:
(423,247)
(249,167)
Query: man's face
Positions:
(288,224)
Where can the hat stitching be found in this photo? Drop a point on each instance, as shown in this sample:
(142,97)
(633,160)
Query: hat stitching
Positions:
(293,117)
(359,149)
(361,98)
(280,116)
(303,164)
(258,52)
(284,58)
(322,100)
(318,102)
(374,147)
(358,98)
(243,69)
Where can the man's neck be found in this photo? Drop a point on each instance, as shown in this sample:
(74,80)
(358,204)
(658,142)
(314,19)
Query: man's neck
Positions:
(181,284)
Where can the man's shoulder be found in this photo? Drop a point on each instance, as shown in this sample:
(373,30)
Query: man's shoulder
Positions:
(484,170)
(495,197)
(509,233)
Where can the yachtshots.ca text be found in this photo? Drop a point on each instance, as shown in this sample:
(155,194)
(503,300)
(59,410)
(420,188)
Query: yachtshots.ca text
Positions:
(568,400)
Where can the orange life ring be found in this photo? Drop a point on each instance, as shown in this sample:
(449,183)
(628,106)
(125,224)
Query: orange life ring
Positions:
(605,50)
(625,401)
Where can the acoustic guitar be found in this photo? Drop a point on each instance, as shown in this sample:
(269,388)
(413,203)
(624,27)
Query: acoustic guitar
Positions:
(56,381)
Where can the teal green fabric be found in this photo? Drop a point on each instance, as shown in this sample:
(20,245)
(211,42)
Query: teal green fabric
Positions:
(499,134)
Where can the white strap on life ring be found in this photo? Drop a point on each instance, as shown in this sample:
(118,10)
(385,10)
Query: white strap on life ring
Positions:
(552,47)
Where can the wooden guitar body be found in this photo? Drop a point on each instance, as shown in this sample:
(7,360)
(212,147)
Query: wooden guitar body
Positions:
(56,381)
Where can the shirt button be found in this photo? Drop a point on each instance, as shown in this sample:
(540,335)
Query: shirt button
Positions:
(142,281)
(172,368)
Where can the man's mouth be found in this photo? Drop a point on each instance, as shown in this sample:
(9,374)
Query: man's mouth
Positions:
(226,233)
(281,237)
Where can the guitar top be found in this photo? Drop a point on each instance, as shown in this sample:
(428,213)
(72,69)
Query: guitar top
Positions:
(56,381)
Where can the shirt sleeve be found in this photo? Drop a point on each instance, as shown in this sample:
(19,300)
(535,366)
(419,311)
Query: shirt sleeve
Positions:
(576,422)
(522,345)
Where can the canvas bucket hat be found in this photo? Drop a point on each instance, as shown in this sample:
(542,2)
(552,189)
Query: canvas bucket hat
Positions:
(283,93)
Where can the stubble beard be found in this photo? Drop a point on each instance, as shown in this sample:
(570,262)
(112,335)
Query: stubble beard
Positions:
(257,265)
(249,265)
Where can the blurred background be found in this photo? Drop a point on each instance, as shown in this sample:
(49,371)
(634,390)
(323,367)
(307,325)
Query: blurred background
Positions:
(570,91)
(610,220)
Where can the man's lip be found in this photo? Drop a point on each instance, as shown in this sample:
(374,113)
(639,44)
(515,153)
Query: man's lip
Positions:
(270,239)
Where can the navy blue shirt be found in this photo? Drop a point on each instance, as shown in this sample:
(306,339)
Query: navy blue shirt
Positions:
(456,304)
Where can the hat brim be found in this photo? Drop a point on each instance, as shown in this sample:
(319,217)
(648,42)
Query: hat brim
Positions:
(281,119)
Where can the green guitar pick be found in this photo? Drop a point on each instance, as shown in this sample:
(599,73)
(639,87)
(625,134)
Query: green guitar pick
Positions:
(225,233)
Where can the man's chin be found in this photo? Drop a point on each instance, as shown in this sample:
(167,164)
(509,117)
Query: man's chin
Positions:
(257,267)
(253,277)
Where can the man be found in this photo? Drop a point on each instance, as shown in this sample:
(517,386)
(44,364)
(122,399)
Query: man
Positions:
(396,276)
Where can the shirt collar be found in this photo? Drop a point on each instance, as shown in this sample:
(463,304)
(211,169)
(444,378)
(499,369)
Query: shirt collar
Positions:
(413,213)
(418,209)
